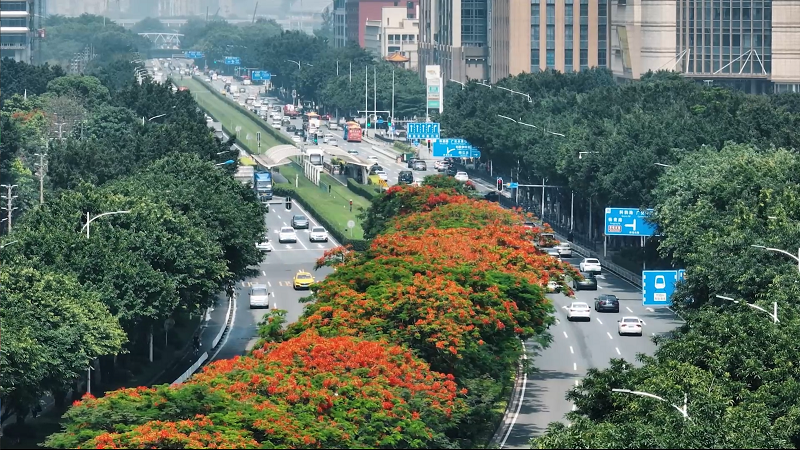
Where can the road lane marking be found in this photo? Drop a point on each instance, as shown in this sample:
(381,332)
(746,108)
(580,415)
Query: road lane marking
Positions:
(571,350)
(598,319)
(521,397)
(565,335)
(650,309)
(279,217)
(577,383)
(573,407)
(629,310)
(289,247)
(269,284)
(575,366)
(643,322)
(609,335)
(558,321)
(264,272)
(617,349)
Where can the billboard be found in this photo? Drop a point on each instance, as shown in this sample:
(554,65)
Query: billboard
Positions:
(433,87)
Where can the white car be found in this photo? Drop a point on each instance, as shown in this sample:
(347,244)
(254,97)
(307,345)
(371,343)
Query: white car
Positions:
(207,80)
(382,175)
(259,296)
(276,124)
(297,139)
(462,177)
(265,246)
(553,286)
(578,310)
(318,234)
(333,142)
(332,126)
(372,158)
(629,325)
(590,265)
(287,234)
(564,249)
(352,151)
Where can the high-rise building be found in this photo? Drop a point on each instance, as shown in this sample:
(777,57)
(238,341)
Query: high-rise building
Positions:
(454,34)
(510,33)
(339,27)
(560,42)
(17,29)
(393,34)
(752,45)
(357,12)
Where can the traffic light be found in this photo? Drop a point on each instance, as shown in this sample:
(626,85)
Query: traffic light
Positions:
(429,145)
(288,203)
(500,184)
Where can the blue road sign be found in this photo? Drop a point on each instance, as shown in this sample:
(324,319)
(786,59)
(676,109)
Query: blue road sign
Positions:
(659,285)
(475,153)
(628,222)
(415,142)
(446,147)
(380,120)
(425,130)
(260,75)
(512,185)
(194,55)
(233,60)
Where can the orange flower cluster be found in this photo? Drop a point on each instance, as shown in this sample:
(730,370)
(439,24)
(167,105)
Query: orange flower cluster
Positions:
(307,392)
(458,280)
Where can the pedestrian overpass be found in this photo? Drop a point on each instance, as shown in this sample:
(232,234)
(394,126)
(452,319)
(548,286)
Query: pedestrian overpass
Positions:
(169,40)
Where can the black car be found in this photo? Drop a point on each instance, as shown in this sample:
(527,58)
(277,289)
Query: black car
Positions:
(588,283)
(291,128)
(452,170)
(411,162)
(298,132)
(405,177)
(492,196)
(299,221)
(606,302)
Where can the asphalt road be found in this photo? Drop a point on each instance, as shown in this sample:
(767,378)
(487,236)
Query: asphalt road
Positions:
(577,347)
(276,272)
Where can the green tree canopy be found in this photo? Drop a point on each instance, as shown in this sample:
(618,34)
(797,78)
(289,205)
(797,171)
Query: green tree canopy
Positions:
(52,329)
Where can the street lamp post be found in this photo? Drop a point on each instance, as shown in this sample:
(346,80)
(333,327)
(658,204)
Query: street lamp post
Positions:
(228,162)
(153,118)
(580,154)
(662,165)
(683,410)
(520,122)
(7,244)
(90,219)
(462,84)
(777,250)
(773,315)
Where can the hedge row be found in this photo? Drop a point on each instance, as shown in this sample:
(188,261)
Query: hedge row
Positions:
(368,192)
(357,244)
(280,137)
(404,148)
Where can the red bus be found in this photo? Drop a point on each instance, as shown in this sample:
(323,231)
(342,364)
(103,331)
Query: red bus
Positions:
(352,132)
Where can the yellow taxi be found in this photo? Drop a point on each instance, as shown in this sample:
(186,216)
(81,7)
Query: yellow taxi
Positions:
(303,280)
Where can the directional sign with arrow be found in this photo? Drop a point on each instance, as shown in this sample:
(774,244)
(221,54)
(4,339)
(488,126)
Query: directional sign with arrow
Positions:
(628,222)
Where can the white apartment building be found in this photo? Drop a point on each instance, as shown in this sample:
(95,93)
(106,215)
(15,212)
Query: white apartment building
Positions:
(17,29)
(393,33)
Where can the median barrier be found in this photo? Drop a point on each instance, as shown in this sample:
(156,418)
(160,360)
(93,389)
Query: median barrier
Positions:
(365,191)
(191,370)
(280,137)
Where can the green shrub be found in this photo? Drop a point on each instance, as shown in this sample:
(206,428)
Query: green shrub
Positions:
(368,192)
(357,244)
(404,148)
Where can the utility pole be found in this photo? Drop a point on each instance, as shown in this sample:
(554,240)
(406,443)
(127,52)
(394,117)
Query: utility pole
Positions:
(366,105)
(40,173)
(375,97)
(9,198)
(391,115)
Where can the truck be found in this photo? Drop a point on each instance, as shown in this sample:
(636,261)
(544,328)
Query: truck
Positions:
(262,184)
(352,132)
(290,111)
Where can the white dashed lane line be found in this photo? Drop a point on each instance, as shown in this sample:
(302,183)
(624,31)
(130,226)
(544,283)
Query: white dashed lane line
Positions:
(609,335)
(599,321)
(629,310)
(571,350)
(617,349)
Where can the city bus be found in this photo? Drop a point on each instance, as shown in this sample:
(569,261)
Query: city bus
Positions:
(352,132)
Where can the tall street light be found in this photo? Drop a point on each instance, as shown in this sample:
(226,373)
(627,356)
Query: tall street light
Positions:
(226,163)
(90,219)
(773,315)
(784,252)
(580,154)
(7,244)
(456,81)
(298,63)
(662,165)
(520,122)
(683,410)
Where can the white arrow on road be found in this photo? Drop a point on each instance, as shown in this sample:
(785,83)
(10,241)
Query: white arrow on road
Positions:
(320,246)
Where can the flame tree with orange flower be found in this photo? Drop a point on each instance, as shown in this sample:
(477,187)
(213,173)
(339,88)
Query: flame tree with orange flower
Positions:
(307,392)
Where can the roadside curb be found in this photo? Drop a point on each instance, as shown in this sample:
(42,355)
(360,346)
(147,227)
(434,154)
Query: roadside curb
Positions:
(516,398)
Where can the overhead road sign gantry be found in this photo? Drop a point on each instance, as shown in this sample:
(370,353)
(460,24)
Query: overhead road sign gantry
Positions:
(194,55)
(628,222)
(233,60)
(424,130)
(659,285)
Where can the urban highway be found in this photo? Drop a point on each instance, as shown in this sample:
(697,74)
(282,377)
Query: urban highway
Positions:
(576,346)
